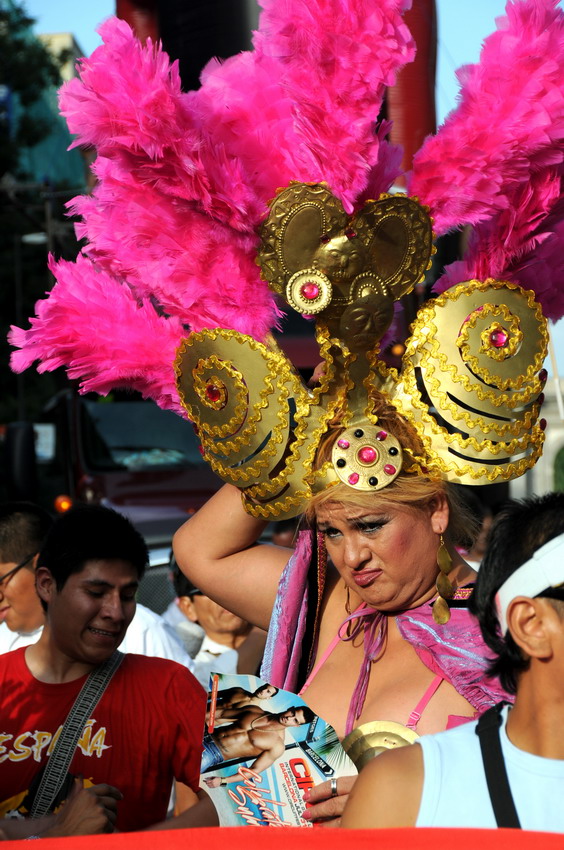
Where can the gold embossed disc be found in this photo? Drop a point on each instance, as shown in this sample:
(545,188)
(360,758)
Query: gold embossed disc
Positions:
(370,739)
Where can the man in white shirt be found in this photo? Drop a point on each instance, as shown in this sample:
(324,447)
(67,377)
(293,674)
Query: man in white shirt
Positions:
(219,641)
(507,769)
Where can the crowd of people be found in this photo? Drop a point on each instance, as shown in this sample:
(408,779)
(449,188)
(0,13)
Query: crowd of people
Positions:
(148,726)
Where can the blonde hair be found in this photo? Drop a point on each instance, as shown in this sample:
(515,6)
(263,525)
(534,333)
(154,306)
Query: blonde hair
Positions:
(409,490)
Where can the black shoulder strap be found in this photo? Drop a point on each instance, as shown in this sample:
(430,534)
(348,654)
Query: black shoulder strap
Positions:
(487,731)
(63,751)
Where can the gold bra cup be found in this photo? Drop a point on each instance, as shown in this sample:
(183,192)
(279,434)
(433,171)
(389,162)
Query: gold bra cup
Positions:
(370,739)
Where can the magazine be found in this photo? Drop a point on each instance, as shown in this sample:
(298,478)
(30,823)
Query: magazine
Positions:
(263,749)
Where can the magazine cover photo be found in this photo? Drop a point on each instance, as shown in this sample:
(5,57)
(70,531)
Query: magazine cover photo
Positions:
(263,749)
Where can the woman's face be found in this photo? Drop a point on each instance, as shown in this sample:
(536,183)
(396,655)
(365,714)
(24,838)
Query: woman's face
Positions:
(387,555)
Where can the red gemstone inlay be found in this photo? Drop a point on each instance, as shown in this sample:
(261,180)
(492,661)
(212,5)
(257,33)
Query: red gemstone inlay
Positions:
(343,444)
(499,338)
(367,454)
(542,424)
(389,469)
(353,478)
(213,393)
(381,435)
(543,375)
(310,290)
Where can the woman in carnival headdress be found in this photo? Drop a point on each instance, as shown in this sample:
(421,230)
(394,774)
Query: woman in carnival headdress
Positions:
(184,186)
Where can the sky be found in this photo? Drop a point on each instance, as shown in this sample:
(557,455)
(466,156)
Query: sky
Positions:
(462,26)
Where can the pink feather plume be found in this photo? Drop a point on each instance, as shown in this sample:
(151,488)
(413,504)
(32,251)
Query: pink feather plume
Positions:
(90,320)
(497,161)
(184,180)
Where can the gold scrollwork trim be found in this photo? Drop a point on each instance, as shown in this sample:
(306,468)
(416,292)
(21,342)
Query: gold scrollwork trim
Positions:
(423,347)
(515,337)
(511,446)
(514,427)
(262,463)
(296,502)
(274,361)
(458,468)
(277,364)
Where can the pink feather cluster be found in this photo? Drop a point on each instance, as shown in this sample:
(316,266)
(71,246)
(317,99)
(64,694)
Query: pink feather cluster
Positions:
(184,180)
(89,318)
(497,162)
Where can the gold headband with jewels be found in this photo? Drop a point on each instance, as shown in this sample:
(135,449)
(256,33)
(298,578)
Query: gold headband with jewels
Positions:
(469,386)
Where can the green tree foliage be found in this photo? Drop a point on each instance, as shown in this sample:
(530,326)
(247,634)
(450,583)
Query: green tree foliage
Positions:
(26,70)
(28,74)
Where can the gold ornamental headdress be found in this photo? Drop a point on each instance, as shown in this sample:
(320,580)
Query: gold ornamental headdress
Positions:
(469,385)
(187,181)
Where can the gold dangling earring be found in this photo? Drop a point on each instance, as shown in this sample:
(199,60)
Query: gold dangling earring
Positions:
(445,589)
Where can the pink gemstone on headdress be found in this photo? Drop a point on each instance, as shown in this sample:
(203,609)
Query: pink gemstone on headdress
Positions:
(213,393)
(389,469)
(367,454)
(381,435)
(350,233)
(343,444)
(309,291)
(499,338)
(353,478)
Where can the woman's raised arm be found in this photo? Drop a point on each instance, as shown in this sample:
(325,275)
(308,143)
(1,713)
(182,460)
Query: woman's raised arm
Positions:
(218,552)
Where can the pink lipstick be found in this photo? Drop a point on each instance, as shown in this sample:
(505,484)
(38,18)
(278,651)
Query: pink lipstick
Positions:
(366,577)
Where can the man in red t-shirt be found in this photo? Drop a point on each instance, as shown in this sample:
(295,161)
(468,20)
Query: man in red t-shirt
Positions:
(146,729)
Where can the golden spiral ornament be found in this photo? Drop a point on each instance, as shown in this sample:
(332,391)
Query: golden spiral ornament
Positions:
(236,392)
(472,378)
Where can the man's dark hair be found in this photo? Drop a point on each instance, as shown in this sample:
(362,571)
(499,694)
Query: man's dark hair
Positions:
(23,528)
(91,533)
(520,529)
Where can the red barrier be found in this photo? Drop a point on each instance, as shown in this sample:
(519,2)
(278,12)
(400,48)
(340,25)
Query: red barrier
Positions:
(240,838)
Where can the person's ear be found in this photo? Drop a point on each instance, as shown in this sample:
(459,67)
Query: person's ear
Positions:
(45,584)
(439,513)
(530,623)
(188,608)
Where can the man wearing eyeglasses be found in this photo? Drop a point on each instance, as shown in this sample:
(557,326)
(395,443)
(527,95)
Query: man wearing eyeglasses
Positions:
(23,527)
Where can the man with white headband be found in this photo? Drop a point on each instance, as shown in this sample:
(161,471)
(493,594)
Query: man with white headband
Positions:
(507,768)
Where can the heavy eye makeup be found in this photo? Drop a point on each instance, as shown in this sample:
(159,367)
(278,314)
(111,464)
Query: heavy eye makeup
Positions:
(368,525)
(365,525)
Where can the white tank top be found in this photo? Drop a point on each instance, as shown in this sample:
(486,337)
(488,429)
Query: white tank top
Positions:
(455,792)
